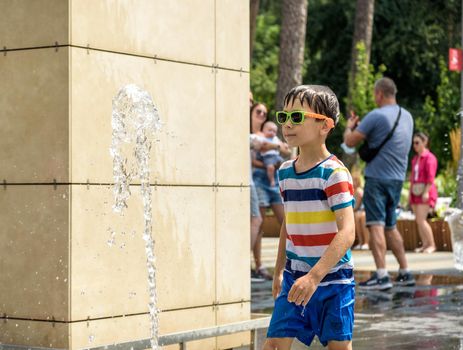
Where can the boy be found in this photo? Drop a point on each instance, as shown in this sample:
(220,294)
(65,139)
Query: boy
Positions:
(313,284)
(271,158)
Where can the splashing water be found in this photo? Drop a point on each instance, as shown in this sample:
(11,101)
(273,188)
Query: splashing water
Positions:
(135,120)
(456,229)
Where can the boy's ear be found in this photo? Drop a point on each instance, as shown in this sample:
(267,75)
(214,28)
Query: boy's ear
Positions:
(325,129)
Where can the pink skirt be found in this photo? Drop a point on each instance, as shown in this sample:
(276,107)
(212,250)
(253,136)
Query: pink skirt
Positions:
(419,200)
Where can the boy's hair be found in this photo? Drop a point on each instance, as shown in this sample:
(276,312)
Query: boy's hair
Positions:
(321,99)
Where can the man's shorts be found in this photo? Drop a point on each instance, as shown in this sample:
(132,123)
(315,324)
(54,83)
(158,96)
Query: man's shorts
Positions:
(381,198)
(267,194)
(328,315)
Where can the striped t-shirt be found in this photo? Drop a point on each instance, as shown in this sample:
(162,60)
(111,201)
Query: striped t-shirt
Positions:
(310,199)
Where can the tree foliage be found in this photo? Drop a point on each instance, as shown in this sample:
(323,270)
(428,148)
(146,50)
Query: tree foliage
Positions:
(264,63)
(440,114)
(362,86)
(410,37)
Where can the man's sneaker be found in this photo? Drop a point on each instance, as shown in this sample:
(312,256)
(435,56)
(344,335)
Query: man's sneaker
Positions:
(255,277)
(375,283)
(405,279)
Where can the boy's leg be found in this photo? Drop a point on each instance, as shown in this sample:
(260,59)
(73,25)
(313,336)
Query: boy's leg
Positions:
(278,343)
(340,345)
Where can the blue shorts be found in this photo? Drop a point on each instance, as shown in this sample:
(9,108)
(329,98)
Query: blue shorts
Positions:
(328,315)
(272,159)
(254,202)
(381,198)
(267,194)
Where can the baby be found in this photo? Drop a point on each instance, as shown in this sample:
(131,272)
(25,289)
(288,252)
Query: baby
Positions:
(271,158)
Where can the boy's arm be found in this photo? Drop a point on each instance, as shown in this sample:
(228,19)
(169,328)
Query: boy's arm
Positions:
(305,286)
(281,261)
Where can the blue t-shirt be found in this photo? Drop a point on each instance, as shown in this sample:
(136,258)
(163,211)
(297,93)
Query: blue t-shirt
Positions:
(391,161)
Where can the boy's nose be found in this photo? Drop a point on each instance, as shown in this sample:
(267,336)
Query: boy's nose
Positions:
(288,124)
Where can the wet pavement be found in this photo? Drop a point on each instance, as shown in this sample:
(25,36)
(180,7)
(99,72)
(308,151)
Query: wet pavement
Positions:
(427,316)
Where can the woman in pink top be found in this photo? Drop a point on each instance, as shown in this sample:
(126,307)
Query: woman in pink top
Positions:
(423,191)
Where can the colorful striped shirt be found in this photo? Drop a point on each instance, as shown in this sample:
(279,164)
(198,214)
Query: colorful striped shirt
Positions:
(310,199)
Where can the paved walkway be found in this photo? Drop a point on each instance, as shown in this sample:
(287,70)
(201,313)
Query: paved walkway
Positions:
(426,316)
(363,260)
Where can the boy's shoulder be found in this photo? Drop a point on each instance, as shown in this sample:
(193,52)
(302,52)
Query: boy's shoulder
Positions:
(335,163)
(336,169)
(288,164)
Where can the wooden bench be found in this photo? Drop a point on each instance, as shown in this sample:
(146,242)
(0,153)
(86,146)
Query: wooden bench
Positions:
(440,230)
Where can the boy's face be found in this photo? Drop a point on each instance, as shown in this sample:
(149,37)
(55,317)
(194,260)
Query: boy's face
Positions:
(270,129)
(310,131)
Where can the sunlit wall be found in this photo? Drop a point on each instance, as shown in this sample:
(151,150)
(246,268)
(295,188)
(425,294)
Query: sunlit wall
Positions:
(65,280)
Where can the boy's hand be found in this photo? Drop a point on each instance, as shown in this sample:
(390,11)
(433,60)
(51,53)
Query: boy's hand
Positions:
(302,290)
(276,285)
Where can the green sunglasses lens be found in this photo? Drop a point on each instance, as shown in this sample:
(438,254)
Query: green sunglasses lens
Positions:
(282,117)
(297,117)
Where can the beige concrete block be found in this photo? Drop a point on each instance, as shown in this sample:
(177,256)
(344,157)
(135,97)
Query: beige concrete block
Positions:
(107,255)
(34,333)
(230,314)
(184,220)
(233,245)
(34,251)
(137,327)
(188,319)
(232,34)
(34,118)
(175,30)
(183,94)
(232,100)
(109,274)
(108,331)
(34,23)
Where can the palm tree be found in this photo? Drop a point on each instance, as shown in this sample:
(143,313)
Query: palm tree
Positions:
(363,29)
(253,12)
(292,40)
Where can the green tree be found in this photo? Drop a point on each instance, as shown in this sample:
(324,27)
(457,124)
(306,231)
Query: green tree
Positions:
(361,88)
(409,37)
(440,114)
(264,65)
(363,30)
(292,43)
